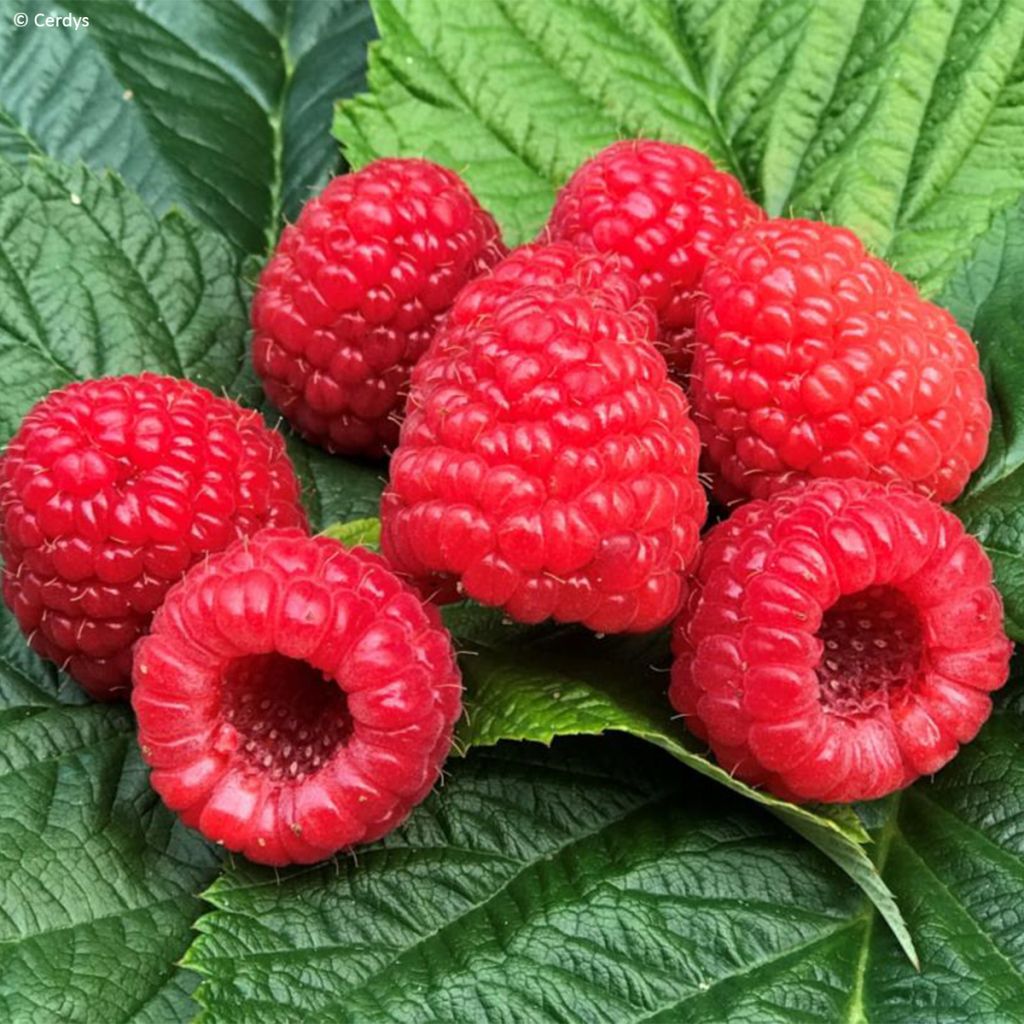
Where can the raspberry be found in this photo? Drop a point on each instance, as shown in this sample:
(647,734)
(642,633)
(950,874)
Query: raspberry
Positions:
(354,292)
(294,698)
(814,359)
(549,265)
(663,209)
(841,640)
(546,462)
(109,491)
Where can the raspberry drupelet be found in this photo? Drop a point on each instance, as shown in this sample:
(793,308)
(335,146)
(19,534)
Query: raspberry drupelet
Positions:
(354,292)
(547,465)
(842,639)
(663,209)
(294,698)
(814,359)
(109,491)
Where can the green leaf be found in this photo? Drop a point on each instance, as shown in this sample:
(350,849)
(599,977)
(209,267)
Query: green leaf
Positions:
(220,106)
(953,852)
(589,883)
(100,882)
(903,120)
(570,684)
(595,881)
(987,298)
(326,50)
(15,145)
(335,489)
(92,284)
(357,533)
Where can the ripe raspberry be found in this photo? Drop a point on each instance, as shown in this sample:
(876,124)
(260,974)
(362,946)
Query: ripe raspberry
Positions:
(550,266)
(294,698)
(841,640)
(546,462)
(663,209)
(814,359)
(354,292)
(109,491)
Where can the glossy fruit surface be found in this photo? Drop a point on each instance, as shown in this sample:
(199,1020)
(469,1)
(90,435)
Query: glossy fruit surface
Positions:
(841,640)
(109,491)
(815,359)
(547,465)
(294,698)
(354,292)
(663,209)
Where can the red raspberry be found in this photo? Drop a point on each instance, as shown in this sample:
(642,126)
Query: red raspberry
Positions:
(546,462)
(548,265)
(663,209)
(841,640)
(354,292)
(294,698)
(814,359)
(109,491)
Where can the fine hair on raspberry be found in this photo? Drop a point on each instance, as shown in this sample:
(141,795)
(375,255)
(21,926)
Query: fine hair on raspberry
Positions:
(109,491)
(547,465)
(814,359)
(354,292)
(294,698)
(663,209)
(841,639)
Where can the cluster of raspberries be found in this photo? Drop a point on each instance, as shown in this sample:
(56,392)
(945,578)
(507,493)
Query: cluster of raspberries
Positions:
(546,411)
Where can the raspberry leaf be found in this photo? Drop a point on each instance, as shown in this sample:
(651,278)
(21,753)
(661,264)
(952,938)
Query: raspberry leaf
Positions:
(597,881)
(572,685)
(334,488)
(220,107)
(901,120)
(986,298)
(100,880)
(15,144)
(572,882)
(141,294)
